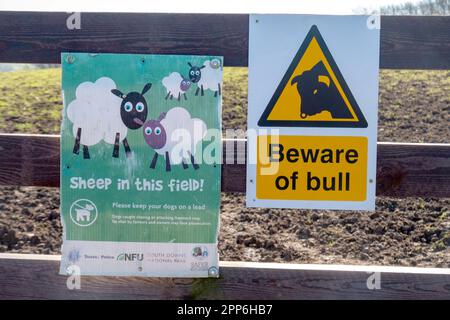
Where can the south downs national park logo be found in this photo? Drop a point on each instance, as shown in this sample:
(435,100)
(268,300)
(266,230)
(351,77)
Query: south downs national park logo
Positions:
(83,212)
(200,252)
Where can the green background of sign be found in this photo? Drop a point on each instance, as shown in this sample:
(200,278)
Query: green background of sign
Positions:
(131,73)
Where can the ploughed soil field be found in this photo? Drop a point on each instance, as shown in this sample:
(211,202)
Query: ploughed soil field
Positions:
(414,107)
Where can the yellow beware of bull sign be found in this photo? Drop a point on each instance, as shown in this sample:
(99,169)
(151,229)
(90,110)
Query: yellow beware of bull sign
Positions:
(312,168)
(312,116)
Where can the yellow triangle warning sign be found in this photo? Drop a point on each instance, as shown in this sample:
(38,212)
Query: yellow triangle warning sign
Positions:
(313,92)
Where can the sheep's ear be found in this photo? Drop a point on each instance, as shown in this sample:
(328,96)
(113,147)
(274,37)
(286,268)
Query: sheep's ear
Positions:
(146,88)
(162,116)
(202,67)
(190,65)
(118,93)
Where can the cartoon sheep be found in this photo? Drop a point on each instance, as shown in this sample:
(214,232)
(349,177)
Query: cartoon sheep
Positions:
(175,135)
(102,112)
(176,85)
(207,77)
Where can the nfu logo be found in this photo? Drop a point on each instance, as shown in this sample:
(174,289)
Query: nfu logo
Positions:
(130,257)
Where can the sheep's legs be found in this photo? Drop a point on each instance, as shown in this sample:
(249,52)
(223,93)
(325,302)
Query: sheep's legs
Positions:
(219,91)
(116,146)
(198,89)
(153,163)
(86,152)
(168,94)
(179,95)
(184,94)
(76,146)
(127,147)
(185,166)
(171,96)
(167,161)
(193,162)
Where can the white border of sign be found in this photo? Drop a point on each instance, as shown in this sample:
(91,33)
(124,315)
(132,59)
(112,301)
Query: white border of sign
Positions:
(354,44)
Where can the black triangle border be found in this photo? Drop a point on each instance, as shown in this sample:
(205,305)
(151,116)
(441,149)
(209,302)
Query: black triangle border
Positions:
(263,122)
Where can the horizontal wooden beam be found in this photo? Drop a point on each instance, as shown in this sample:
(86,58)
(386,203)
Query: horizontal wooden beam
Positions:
(36,277)
(403,169)
(40,37)
(413,169)
(426,39)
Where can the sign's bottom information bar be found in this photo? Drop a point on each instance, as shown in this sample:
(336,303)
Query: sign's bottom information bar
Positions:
(311,168)
(140,259)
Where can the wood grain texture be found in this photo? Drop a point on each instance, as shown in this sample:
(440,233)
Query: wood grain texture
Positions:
(413,170)
(24,278)
(29,160)
(39,37)
(402,169)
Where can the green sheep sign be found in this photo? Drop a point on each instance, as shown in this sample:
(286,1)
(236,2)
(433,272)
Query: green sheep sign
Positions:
(140,159)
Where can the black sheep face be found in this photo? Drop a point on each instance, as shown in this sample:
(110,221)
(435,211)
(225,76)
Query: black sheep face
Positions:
(133,109)
(195,73)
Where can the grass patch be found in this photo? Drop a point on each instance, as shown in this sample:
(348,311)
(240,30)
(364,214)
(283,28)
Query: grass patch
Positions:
(414,105)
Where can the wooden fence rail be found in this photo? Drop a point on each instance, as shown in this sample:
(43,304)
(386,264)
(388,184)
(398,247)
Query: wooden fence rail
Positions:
(39,37)
(36,277)
(403,169)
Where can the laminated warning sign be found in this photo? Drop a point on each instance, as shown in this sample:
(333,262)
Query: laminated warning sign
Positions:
(313,101)
(313,92)
(140,184)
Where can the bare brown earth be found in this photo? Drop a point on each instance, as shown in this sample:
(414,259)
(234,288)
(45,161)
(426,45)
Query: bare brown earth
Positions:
(414,107)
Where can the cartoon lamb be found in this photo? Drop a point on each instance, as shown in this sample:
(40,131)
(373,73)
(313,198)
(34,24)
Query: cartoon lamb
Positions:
(176,85)
(175,135)
(101,112)
(207,77)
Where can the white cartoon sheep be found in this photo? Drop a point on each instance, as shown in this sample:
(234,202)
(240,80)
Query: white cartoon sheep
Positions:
(176,85)
(175,135)
(207,77)
(101,112)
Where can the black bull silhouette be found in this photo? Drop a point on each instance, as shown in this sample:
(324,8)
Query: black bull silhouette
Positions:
(318,93)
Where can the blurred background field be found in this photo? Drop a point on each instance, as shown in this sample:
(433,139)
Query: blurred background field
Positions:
(414,107)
